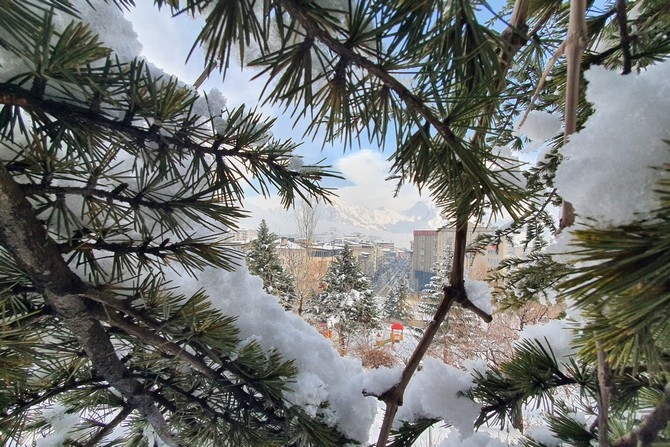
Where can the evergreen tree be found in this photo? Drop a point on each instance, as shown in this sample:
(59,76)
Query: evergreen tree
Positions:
(460,326)
(263,261)
(115,182)
(347,302)
(432,293)
(397,306)
(113,176)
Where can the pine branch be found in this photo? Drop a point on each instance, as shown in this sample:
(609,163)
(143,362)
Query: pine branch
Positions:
(532,372)
(25,238)
(408,434)
(269,417)
(645,434)
(480,244)
(138,200)
(163,250)
(82,309)
(604,375)
(349,56)
(574,47)
(536,94)
(148,330)
(109,426)
(52,391)
(217,146)
(622,20)
(456,152)
(393,398)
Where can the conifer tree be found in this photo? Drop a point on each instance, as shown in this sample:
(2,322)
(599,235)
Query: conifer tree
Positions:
(116,181)
(397,306)
(460,326)
(348,302)
(263,261)
(431,294)
(455,325)
(113,175)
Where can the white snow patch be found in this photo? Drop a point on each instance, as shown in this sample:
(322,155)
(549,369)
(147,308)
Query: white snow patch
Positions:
(114,30)
(479,292)
(381,379)
(556,333)
(323,374)
(607,173)
(62,424)
(433,393)
(540,126)
(542,433)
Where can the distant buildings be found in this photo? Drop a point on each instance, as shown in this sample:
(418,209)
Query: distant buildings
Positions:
(308,262)
(431,246)
(425,254)
(242,236)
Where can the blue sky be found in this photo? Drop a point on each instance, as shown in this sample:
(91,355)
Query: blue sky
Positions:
(166,42)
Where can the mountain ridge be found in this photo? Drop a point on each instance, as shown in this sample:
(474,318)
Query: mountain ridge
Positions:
(344,218)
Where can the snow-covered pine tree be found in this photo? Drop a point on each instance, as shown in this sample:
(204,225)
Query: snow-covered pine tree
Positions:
(347,302)
(118,187)
(432,293)
(114,171)
(263,261)
(397,305)
(459,327)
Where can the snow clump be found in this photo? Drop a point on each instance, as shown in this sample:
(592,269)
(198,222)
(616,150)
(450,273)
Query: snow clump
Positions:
(610,170)
(324,376)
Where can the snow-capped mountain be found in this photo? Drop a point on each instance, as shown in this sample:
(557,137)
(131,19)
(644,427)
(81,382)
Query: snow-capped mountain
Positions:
(420,216)
(344,218)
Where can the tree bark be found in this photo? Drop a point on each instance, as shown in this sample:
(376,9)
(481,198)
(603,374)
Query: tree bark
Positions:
(604,373)
(574,47)
(645,434)
(624,36)
(37,254)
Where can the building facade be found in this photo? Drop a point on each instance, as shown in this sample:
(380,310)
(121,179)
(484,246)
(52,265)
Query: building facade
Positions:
(431,246)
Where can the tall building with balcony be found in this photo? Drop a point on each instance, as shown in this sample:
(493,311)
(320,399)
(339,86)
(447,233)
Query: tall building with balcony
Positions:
(431,246)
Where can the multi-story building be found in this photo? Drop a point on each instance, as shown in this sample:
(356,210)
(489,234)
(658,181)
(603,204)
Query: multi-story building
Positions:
(242,236)
(424,256)
(431,246)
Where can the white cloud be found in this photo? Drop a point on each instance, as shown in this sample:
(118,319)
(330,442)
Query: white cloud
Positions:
(367,171)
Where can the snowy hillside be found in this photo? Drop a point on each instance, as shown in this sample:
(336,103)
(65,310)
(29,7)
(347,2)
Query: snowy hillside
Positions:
(345,218)
(420,216)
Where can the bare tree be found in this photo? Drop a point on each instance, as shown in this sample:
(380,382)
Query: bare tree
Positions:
(307,216)
(307,272)
(299,263)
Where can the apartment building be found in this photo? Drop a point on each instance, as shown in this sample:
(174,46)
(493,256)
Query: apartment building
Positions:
(430,246)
